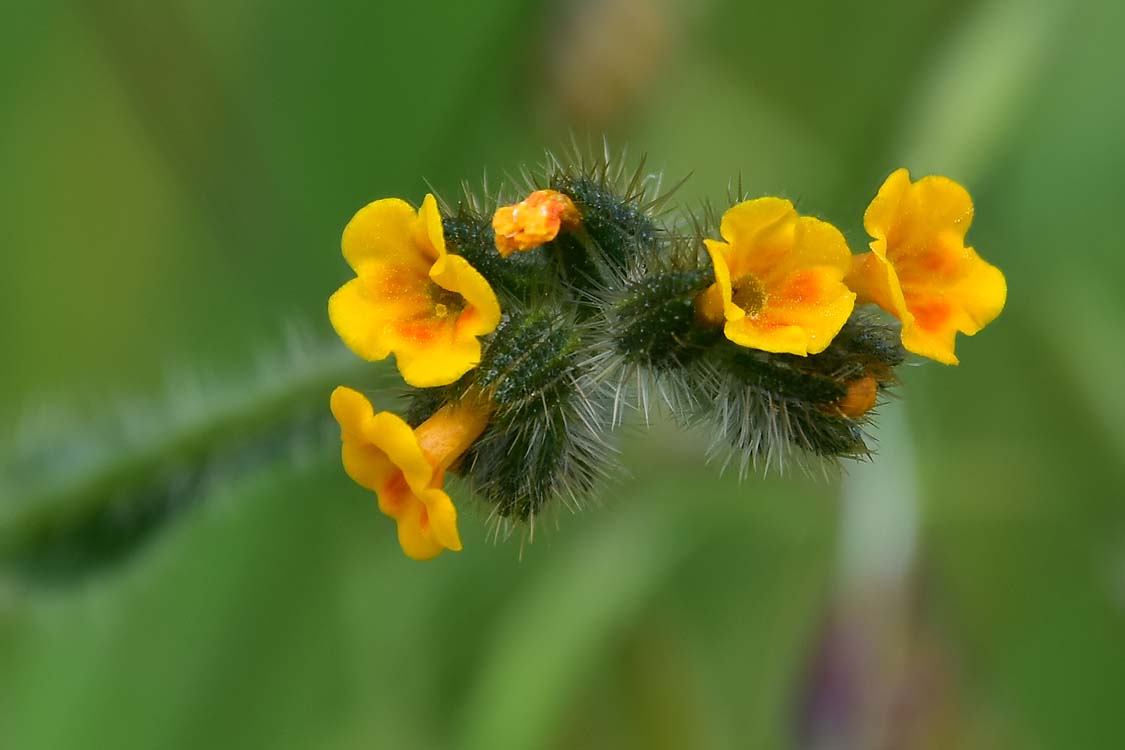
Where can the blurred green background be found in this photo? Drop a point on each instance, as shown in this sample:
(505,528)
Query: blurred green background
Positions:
(175,179)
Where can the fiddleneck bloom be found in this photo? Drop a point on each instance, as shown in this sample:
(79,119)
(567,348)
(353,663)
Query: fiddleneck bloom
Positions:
(410,296)
(406,468)
(534,221)
(919,268)
(778,279)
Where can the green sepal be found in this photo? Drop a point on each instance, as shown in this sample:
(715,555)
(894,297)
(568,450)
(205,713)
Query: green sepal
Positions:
(520,277)
(654,319)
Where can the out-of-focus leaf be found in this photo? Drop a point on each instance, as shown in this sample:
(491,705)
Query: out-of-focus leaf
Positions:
(599,585)
(980,83)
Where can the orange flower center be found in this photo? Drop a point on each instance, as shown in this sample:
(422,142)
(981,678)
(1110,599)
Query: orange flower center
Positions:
(749,294)
(445,302)
(396,490)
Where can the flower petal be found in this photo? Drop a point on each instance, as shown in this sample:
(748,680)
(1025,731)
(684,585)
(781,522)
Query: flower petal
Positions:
(430,220)
(755,334)
(358,316)
(933,332)
(364,462)
(815,244)
(385,231)
(440,360)
(745,221)
(981,293)
(719,251)
(873,279)
(352,411)
(442,516)
(507,231)
(938,313)
(910,216)
(455,274)
(883,211)
(760,234)
(415,535)
(395,438)
(384,437)
(801,316)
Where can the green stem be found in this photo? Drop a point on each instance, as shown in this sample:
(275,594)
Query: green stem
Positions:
(41,500)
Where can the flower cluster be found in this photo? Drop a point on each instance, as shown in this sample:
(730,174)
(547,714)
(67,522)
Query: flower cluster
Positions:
(524,330)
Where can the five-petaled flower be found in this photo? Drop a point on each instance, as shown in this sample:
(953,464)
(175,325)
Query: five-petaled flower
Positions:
(919,268)
(534,221)
(410,296)
(778,279)
(406,468)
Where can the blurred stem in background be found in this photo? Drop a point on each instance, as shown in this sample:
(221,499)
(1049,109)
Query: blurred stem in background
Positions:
(862,670)
(880,676)
(79,496)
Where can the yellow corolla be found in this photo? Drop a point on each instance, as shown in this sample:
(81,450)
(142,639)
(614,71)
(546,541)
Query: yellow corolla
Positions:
(410,296)
(406,468)
(919,268)
(778,279)
(534,221)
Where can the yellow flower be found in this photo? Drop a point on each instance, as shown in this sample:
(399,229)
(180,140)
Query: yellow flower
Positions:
(410,296)
(778,279)
(534,221)
(406,468)
(919,268)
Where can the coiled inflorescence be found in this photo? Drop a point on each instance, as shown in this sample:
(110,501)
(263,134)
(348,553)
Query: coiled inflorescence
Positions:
(526,330)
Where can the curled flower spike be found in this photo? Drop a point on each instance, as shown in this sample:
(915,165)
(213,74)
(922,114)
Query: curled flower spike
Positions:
(534,221)
(919,268)
(759,340)
(778,279)
(410,296)
(406,468)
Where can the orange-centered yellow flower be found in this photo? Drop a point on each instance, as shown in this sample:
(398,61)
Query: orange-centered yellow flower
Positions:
(410,296)
(406,468)
(919,268)
(534,221)
(778,279)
